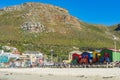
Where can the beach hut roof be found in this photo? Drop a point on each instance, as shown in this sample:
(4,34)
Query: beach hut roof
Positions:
(78,52)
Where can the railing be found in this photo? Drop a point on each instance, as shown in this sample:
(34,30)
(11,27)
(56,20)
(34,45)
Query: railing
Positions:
(60,65)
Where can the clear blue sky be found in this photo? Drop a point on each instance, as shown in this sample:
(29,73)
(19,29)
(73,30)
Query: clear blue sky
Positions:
(105,12)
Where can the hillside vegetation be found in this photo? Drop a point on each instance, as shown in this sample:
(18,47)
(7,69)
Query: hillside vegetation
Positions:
(42,27)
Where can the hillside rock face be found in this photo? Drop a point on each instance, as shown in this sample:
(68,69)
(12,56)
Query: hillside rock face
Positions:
(52,17)
(33,27)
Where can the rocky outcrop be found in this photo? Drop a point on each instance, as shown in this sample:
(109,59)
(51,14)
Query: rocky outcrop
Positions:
(61,9)
(12,8)
(33,27)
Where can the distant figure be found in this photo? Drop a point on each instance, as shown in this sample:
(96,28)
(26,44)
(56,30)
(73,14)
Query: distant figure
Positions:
(118,28)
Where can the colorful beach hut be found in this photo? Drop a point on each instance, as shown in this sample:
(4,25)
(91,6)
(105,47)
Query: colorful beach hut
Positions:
(75,57)
(112,55)
(86,57)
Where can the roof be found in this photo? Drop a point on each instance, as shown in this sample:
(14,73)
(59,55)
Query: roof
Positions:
(78,52)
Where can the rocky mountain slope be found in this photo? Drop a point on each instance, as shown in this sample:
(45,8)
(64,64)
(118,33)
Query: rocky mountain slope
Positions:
(40,17)
(37,26)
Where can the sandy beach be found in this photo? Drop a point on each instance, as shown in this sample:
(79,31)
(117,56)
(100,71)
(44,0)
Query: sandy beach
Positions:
(60,74)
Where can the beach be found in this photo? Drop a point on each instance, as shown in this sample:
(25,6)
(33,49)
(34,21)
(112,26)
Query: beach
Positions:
(59,73)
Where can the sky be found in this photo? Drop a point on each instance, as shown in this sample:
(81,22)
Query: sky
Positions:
(105,12)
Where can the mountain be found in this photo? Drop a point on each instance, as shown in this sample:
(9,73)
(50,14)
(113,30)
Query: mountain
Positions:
(37,26)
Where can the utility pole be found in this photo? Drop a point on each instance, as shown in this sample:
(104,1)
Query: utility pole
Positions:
(114,38)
